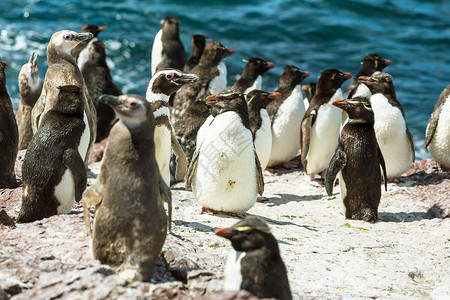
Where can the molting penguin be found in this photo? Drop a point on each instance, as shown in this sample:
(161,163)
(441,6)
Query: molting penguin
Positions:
(62,71)
(30,87)
(286,114)
(54,174)
(320,125)
(255,264)
(251,78)
(357,159)
(437,137)
(9,135)
(81,51)
(225,174)
(164,83)
(198,44)
(393,136)
(130,224)
(99,81)
(168,50)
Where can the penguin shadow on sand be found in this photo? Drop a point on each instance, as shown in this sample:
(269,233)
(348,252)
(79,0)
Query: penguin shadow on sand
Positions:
(281,199)
(284,223)
(194,225)
(432,213)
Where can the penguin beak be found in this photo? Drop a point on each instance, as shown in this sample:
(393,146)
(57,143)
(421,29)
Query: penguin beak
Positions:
(387,62)
(363,79)
(340,103)
(271,65)
(101,28)
(348,75)
(307,74)
(228,52)
(110,100)
(83,36)
(224,232)
(186,78)
(213,99)
(35,57)
(304,87)
(275,95)
(4,63)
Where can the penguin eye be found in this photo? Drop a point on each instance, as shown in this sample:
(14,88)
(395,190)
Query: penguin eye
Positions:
(67,36)
(169,76)
(258,61)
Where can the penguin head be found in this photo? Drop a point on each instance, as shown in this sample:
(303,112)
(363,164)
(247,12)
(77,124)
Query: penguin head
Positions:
(133,110)
(258,66)
(373,63)
(64,41)
(3,66)
(94,29)
(227,100)
(332,79)
(170,25)
(168,81)
(309,90)
(379,82)
(214,52)
(356,108)
(259,99)
(32,68)
(291,77)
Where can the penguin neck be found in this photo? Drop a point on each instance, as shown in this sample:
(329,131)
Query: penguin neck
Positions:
(57,56)
(286,88)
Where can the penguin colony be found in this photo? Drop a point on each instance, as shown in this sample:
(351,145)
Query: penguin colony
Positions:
(223,138)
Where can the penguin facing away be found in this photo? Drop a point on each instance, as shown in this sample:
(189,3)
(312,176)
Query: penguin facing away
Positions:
(255,263)
(437,136)
(130,224)
(225,173)
(54,174)
(357,159)
(198,43)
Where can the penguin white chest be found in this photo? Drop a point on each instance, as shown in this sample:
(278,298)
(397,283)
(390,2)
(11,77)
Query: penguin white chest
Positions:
(263,139)
(157,50)
(440,144)
(232,276)
(202,130)
(362,91)
(219,83)
(83,57)
(85,138)
(286,128)
(162,139)
(255,86)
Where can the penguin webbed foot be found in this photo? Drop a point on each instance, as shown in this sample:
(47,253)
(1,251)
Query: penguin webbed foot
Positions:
(292,164)
(209,211)
(365,214)
(316,182)
(269,172)
(262,199)
(395,179)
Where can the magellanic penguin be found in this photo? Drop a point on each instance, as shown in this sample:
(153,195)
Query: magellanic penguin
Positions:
(9,135)
(309,90)
(212,79)
(30,87)
(99,81)
(54,173)
(130,224)
(320,125)
(255,264)
(81,51)
(251,78)
(168,50)
(225,174)
(286,114)
(437,137)
(357,159)
(164,83)
(63,71)
(393,136)
(198,44)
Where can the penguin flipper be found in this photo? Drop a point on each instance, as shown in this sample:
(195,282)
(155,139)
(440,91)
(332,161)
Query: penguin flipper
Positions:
(166,196)
(73,161)
(259,176)
(383,166)
(411,144)
(305,134)
(192,169)
(181,161)
(337,163)
(91,196)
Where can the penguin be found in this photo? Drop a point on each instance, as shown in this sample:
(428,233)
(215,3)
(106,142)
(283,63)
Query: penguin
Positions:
(285,115)
(255,264)
(225,173)
(81,51)
(393,136)
(212,78)
(251,78)
(130,223)
(168,50)
(9,134)
(358,160)
(53,171)
(164,83)
(62,71)
(310,91)
(99,81)
(30,87)
(437,136)
(320,125)
(198,43)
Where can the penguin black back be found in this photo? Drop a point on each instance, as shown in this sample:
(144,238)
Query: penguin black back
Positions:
(173,55)
(197,46)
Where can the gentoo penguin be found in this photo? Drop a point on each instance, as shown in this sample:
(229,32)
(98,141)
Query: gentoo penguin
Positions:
(320,125)
(130,223)
(309,90)
(393,136)
(357,159)
(62,71)
(9,135)
(30,87)
(198,44)
(255,263)
(99,81)
(212,78)
(251,78)
(168,50)
(81,51)
(225,174)
(437,137)
(54,174)
(286,114)
(164,83)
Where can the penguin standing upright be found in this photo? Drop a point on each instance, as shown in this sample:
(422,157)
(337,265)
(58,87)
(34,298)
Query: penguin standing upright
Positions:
(168,50)
(9,135)
(320,125)
(393,136)
(357,159)
(437,137)
(286,114)
(255,264)
(198,44)
(30,87)
(53,171)
(310,91)
(130,224)
(81,51)
(225,174)
(251,78)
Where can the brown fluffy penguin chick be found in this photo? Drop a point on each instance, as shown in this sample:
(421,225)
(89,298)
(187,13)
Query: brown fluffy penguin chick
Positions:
(358,159)
(256,264)
(130,224)
(9,135)
(30,87)
(80,52)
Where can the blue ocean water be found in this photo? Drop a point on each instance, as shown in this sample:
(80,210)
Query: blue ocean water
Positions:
(314,35)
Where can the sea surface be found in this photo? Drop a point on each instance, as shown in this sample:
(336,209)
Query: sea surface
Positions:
(313,35)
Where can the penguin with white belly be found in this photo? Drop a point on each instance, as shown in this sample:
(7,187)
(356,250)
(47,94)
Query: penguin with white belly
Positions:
(54,174)
(225,174)
(320,126)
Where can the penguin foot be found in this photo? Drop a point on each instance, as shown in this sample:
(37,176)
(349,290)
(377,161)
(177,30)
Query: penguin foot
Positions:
(242,215)
(316,182)
(395,180)
(269,172)
(262,199)
(291,164)
(208,211)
